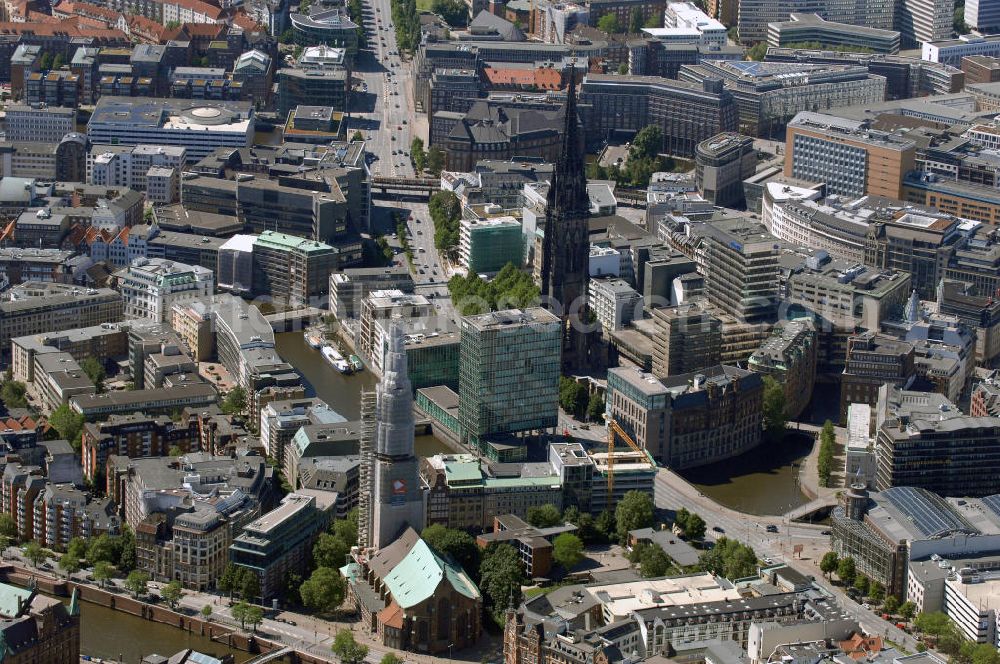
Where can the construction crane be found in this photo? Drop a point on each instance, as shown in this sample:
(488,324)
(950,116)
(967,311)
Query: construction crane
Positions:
(613,429)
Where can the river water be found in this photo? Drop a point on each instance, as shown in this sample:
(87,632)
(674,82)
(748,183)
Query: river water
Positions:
(342,392)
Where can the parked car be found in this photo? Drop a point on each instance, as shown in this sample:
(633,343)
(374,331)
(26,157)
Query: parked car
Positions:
(718,529)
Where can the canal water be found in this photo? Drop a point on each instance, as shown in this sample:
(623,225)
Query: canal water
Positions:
(118,636)
(762,481)
(342,392)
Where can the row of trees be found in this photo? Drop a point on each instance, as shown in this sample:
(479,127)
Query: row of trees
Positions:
(446,211)
(510,289)
(454,12)
(407,25)
(325,589)
(827,448)
(237,580)
(575,398)
(774,410)
(847,572)
(610,24)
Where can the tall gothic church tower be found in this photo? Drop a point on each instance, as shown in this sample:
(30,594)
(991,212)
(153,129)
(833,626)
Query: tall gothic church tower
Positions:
(398,501)
(566,244)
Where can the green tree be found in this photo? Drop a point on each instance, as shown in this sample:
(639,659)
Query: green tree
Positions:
(206,611)
(512,288)
(13,394)
(330,551)
(230,580)
(357,135)
(69,563)
(77,547)
(827,445)
(544,516)
(249,586)
(934,623)
(453,12)
(248,614)
(347,528)
(828,564)
(501,575)
(907,610)
(609,24)
(958,21)
(103,572)
(457,544)
(8,527)
(323,591)
(347,649)
(34,553)
(605,525)
(95,371)
(623,69)
(647,143)
(775,410)
(235,402)
(652,22)
(635,20)
(136,582)
(103,548)
(573,397)
(446,211)
(390,658)
(126,549)
(567,550)
(861,584)
(890,605)
(45,63)
(595,408)
(729,558)
(846,571)
(653,561)
(172,593)
(417,153)
(757,51)
(634,510)
(435,161)
(876,591)
(695,527)
(68,424)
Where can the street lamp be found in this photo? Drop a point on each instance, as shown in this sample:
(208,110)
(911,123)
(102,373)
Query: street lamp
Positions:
(450,646)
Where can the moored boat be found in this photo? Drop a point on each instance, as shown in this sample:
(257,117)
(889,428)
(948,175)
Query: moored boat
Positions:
(336,359)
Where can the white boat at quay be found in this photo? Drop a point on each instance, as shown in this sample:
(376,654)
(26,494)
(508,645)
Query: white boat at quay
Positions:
(336,359)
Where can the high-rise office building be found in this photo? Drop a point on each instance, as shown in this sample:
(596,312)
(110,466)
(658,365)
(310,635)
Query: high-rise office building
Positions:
(508,374)
(983,15)
(919,21)
(566,246)
(398,500)
(741,275)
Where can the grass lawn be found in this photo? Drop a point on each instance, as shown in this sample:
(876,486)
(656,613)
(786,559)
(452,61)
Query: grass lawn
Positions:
(424,5)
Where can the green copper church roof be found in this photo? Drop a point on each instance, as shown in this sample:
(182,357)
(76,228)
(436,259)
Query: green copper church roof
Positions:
(419,573)
(13,600)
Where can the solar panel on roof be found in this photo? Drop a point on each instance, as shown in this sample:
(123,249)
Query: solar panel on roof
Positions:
(928,511)
(993,502)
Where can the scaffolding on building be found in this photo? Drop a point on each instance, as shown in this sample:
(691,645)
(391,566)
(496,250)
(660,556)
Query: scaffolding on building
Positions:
(366,471)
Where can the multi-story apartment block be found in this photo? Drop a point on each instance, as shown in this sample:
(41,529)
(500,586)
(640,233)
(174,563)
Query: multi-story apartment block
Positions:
(686,339)
(769,94)
(21,487)
(741,269)
(812,29)
(509,374)
(39,123)
(383,305)
(133,436)
(615,303)
(687,113)
(280,542)
(34,308)
(722,163)
(873,360)
(63,512)
(487,245)
(150,287)
(688,420)
(199,128)
(288,267)
(281,420)
(349,288)
(130,165)
(847,155)
(789,357)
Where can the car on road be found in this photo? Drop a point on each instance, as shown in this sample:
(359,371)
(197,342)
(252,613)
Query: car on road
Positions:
(768,561)
(772,528)
(718,529)
(826,532)
(421,272)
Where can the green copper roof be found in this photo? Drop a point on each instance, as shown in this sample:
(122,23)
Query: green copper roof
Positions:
(286,241)
(13,600)
(419,573)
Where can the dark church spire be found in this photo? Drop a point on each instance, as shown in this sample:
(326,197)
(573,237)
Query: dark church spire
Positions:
(566,243)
